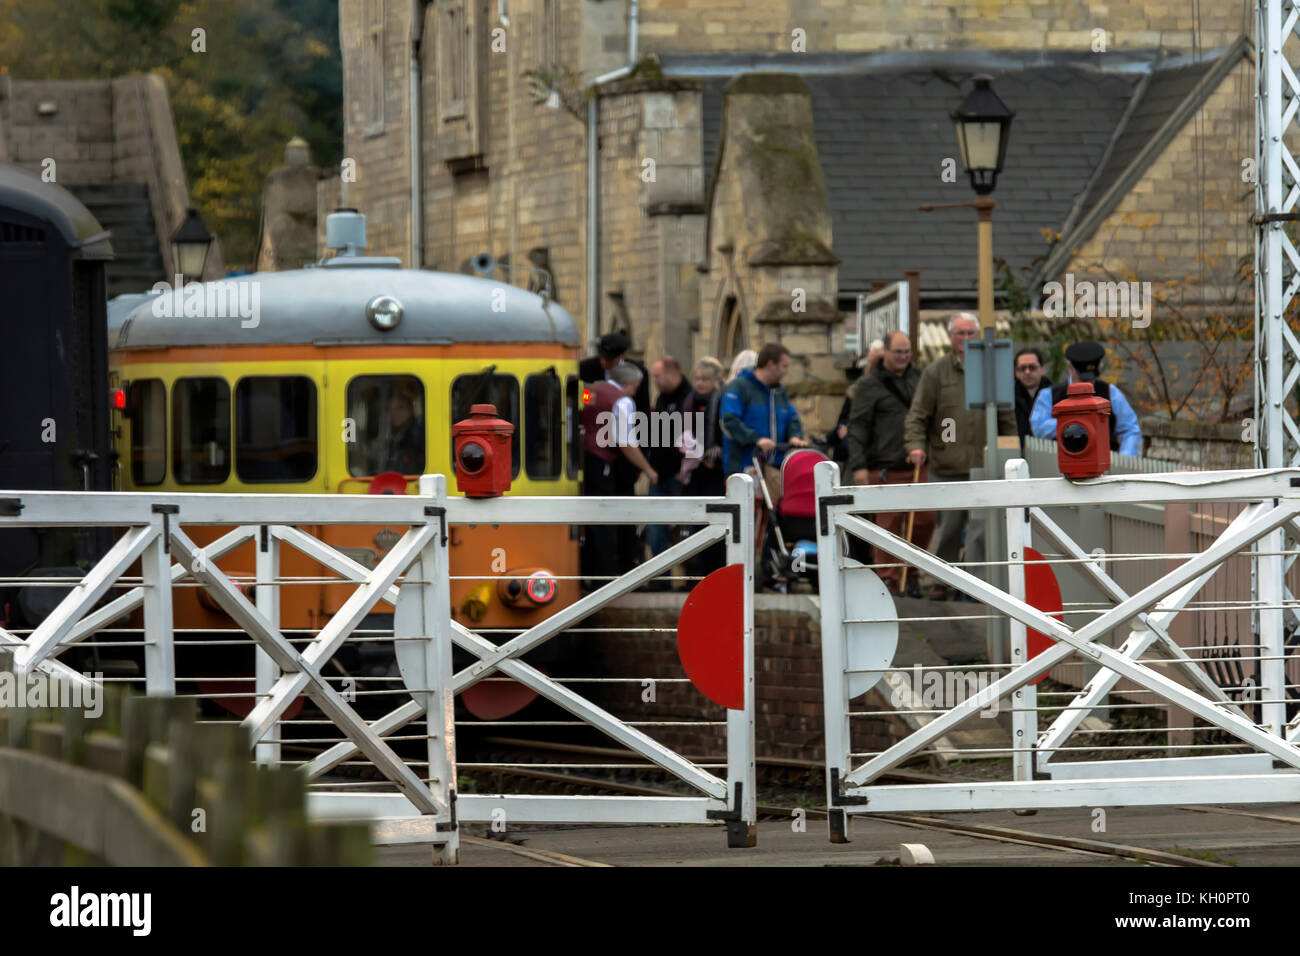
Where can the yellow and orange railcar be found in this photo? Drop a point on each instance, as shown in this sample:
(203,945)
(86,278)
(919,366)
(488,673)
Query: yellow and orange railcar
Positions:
(322,380)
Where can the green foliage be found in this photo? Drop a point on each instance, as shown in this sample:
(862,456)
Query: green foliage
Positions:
(271,71)
(559,87)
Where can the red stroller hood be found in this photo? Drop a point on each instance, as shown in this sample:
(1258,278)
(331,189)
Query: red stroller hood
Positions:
(798,497)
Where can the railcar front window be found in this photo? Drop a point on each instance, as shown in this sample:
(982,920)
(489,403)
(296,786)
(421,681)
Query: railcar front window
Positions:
(485,388)
(544,422)
(385,427)
(275,429)
(201,431)
(148,416)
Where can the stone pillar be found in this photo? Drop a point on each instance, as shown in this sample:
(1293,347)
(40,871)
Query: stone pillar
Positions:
(288,239)
(769,237)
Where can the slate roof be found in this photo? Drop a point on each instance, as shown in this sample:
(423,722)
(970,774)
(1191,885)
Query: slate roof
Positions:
(883,131)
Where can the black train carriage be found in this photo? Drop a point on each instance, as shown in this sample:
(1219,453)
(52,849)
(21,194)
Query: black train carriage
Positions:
(54,434)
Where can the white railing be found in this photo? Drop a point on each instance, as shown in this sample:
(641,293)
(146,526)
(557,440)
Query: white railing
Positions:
(414,577)
(860,626)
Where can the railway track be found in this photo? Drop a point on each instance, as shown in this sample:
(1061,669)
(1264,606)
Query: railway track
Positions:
(569,782)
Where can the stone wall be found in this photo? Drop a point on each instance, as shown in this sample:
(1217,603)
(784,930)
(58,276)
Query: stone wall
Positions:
(1202,445)
(376,134)
(681,26)
(1155,234)
(78,137)
(103,131)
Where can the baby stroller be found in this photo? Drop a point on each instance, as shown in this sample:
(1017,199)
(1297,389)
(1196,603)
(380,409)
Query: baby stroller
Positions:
(788,529)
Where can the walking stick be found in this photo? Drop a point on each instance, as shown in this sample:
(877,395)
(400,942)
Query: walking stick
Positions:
(911,517)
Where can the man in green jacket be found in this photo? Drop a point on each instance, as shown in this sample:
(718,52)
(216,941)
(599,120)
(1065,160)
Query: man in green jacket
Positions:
(941,432)
(877,455)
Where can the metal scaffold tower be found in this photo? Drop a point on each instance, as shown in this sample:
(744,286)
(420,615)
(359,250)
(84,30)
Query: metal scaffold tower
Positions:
(1277,353)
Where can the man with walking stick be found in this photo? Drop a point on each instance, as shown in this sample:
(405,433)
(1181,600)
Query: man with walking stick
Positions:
(877,455)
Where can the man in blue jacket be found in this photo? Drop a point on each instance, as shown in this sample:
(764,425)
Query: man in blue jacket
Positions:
(756,413)
(1085,360)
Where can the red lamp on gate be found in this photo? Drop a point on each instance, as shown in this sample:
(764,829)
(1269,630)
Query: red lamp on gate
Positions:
(481,453)
(1082,433)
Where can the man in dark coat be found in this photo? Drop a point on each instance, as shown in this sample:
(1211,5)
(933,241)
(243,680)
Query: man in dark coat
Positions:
(877,453)
(665,459)
(1031,378)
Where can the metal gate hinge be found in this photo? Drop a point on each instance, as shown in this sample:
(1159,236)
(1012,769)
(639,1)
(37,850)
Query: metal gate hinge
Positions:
(167,511)
(734,511)
(823,525)
(450,826)
(441,514)
(839,798)
(735,812)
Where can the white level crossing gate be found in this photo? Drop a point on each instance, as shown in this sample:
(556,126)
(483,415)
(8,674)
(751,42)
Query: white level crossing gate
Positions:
(860,636)
(414,577)
(730,798)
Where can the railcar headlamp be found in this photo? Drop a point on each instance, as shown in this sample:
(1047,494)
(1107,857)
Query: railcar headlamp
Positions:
(541,587)
(384,312)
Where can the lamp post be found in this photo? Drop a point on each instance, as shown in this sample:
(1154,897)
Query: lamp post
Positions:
(982,123)
(190,244)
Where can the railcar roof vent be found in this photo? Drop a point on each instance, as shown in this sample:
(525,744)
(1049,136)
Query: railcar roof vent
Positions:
(345,230)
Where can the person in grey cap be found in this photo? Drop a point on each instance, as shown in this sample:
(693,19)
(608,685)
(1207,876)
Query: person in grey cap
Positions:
(609,355)
(1085,360)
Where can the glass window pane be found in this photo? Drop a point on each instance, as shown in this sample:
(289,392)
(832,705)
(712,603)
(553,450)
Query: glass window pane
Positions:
(544,424)
(275,428)
(387,417)
(485,388)
(572,424)
(200,431)
(148,401)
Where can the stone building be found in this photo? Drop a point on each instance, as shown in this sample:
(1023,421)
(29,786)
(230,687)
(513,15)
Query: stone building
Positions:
(711,176)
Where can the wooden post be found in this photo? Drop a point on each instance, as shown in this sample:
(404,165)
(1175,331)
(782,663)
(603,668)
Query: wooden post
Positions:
(984,207)
(913,279)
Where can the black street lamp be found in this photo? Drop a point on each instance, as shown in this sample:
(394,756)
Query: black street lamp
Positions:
(982,123)
(190,243)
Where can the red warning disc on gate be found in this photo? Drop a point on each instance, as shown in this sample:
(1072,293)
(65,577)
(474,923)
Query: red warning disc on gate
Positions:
(711,636)
(1043,592)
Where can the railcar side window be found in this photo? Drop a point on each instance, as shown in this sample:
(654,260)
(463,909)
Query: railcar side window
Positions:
(544,424)
(275,428)
(485,388)
(200,431)
(573,425)
(387,425)
(148,404)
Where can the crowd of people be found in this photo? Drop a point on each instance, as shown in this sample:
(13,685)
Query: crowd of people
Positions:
(723,419)
(899,424)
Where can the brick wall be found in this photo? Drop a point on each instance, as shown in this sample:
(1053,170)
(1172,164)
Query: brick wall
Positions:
(788,679)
